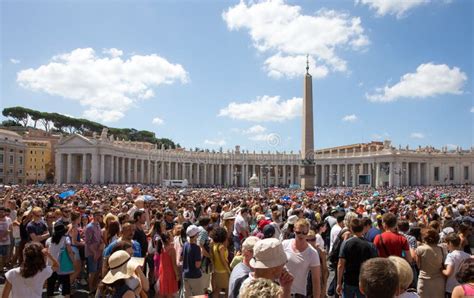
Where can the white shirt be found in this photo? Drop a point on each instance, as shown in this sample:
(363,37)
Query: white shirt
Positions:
(4,234)
(299,264)
(320,241)
(31,287)
(240,225)
(334,232)
(455,259)
(55,249)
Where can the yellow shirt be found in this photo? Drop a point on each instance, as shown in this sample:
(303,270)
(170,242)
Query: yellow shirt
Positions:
(219,267)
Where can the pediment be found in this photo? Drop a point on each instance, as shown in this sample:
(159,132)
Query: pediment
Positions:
(75,140)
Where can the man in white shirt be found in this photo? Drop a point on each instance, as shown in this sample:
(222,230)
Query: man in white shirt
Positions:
(241,228)
(302,258)
(335,231)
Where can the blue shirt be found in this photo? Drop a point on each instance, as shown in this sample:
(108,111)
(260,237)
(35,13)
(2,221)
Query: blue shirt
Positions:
(191,254)
(372,233)
(137,252)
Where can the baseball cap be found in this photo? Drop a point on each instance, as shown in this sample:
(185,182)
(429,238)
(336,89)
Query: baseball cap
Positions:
(268,253)
(268,231)
(192,230)
(292,219)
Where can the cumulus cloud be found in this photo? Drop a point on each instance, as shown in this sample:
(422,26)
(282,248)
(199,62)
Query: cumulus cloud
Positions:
(264,108)
(417,135)
(278,66)
(106,86)
(350,118)
(157,121)
(379,137)
(113,52)
(254,129)
(391,7)
(285,34)
(429,80)
(220,142)
(14,61)
(472,110)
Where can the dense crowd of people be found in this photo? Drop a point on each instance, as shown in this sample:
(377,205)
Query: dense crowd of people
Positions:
(148,241)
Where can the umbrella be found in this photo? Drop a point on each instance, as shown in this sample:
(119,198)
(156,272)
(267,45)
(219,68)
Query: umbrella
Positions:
(286,198)
(148,198)
(66,194)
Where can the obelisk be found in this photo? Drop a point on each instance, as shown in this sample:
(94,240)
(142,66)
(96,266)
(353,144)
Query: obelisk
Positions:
(307,146)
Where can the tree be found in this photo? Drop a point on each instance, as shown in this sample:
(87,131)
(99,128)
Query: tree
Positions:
(35,116)
(10,123)
(46,120)
(19,114)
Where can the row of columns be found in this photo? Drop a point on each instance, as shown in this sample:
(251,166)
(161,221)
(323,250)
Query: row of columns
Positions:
(106,168)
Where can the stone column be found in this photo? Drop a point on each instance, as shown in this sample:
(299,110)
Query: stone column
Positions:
(354,175)
(377,174)
(292,174)
(142,171)
(58,168)
(191,178)
(418,173)
(277,175)
(129,170)
(285,180)
(150,171)
(346,176)
(339,174)
(198,176)
(69,168)
(242,175)
(205,180)
(123,180)
(95,168)
(219,172)
(102,168)
(112,169)
(84,168)
(323,175)
(390,178)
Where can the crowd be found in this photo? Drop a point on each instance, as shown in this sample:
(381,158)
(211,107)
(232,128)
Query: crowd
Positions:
(147,241)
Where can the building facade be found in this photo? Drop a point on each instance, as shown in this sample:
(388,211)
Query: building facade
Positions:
(12,158)
(102,159)
(38,160)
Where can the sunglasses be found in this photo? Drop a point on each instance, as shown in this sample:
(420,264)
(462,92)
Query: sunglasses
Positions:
(311,240)
(301,232)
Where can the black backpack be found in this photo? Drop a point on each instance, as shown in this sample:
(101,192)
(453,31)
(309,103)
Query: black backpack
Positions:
(334,254)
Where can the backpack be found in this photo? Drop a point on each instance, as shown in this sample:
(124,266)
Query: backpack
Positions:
(334,254)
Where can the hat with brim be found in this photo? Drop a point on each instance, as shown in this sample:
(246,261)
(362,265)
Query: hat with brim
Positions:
(121,266)
(268,253)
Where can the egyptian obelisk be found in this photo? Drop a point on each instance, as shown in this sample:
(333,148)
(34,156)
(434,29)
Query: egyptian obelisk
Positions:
(307,146)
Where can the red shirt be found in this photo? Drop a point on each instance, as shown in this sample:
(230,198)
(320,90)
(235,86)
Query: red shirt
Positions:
(391,244)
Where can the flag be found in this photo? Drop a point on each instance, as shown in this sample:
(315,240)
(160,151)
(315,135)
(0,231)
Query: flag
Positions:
(418,194)
(66,194)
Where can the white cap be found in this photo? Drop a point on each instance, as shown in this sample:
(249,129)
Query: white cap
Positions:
(192,230)
(268,253)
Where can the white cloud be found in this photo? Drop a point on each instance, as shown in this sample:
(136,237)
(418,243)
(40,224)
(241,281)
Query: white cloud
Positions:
(254,130)
(264,137)
(157,121)
(113,52)
(452,146)
(379,137)
(417,135)
(392,7)
(14,61)
(106,87)
(278,66)
(350,118)
(428,80)
(472,110)
(221,142)
(264,108)
(283,32)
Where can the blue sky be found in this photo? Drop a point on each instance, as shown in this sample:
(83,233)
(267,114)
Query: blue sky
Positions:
(222,73)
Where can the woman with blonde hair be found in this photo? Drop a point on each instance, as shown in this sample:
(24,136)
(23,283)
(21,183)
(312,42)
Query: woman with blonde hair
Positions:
(311,239)
(405,277)
(261,288)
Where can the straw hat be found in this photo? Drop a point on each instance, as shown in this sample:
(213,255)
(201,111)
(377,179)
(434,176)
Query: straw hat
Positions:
(121,266)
